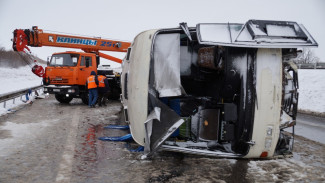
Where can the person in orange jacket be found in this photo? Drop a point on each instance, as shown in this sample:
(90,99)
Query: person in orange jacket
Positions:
(103,89)
(92,84)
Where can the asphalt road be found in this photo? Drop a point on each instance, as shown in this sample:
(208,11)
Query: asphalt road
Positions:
(51,142)
(311,127)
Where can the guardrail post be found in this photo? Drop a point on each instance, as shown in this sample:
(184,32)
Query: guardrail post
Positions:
(4,104)
(13,101)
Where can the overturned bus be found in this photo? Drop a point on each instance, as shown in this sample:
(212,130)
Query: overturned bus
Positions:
(219,89)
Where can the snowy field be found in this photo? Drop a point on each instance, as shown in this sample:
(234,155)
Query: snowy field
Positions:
(311,86)
(13,79)
(311,90)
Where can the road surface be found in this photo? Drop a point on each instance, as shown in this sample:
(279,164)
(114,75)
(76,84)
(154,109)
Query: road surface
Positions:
(311,127)
(52,142)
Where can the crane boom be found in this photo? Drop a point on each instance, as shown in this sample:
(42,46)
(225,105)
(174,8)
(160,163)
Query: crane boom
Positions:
(37,38)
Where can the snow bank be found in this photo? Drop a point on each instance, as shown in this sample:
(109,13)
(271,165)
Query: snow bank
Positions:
(282,170)
(13,79)
(311,90)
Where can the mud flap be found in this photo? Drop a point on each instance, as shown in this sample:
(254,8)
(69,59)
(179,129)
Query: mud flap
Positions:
(160,124)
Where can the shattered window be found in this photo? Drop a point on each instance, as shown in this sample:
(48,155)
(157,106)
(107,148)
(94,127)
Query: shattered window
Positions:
(167,65)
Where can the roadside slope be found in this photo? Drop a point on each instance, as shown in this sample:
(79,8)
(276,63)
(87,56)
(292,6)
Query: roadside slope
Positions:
(13,79)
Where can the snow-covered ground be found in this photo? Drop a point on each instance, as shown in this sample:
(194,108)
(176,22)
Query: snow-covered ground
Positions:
(311,90)
(311,86)
(13,79)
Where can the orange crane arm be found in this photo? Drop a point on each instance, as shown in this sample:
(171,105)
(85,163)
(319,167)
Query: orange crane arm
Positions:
(103,55)
(37,38)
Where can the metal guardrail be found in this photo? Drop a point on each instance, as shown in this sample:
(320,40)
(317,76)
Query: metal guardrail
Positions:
(13,95)
(320,65)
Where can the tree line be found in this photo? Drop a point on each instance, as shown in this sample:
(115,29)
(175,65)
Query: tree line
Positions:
(306,56)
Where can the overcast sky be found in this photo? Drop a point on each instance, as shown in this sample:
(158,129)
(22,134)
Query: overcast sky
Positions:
(124,19)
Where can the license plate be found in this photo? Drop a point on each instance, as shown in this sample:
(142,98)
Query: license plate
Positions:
(56,90)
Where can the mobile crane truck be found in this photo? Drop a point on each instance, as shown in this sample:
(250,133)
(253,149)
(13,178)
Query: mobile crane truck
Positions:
(66,72)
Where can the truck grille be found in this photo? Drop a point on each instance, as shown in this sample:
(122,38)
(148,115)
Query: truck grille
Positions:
(55,81)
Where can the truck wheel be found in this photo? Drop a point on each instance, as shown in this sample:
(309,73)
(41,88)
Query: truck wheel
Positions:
(62,98)
(84,98)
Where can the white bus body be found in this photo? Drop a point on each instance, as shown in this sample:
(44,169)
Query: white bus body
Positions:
(224,90)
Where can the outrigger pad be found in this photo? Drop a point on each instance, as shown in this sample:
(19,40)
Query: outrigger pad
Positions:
(120,127)
(124,138)
(138,149)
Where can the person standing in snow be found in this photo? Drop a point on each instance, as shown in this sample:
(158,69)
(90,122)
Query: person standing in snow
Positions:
(103,89)
(92,84)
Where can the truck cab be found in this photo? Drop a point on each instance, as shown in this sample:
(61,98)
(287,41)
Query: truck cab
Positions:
(66,75)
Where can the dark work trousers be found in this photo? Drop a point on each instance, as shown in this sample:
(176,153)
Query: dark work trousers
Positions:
(93,95)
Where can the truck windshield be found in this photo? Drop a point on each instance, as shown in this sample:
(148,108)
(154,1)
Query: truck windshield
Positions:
(64,60)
